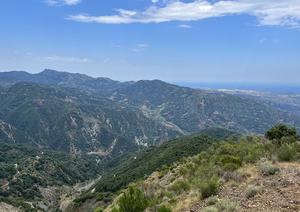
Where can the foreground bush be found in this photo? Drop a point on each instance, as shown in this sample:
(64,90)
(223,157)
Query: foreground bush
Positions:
(286,153)
(267,168)
(164,209)
(226,205)
(133,200)
(180,186)
(222,205)
(252,191)
(209,188)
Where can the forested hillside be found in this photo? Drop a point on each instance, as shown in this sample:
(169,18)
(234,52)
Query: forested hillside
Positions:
(25,171)
(67,120)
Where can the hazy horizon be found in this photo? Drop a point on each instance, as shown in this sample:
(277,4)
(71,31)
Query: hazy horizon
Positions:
(276,87)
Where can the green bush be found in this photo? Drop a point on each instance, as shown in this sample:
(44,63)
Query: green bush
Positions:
(267,168)
(98,210)
(279,131)
(286,153)
(209,188)
(100,196)
(83,198)
(231,167)
(253,190)
(226,205)
(133,200)
(164,209)
(180,186)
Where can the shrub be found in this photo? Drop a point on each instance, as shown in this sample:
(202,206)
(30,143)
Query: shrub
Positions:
(230,163)
(231,167)
(100,196)
(164,209)
(133,200)
(98,210)
(180,186)
(286,153)
(254,153)
(212,200)
(210,209)
(209,188)
(267,168)
(279,131)
(253,190)
(226,205)
(233,175)
(83,198)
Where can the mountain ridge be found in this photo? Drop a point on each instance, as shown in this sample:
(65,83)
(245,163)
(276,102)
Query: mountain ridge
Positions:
(186,110)
(65,119)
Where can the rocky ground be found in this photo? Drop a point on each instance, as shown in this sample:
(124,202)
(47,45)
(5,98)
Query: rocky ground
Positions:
(279,192)
(8,208)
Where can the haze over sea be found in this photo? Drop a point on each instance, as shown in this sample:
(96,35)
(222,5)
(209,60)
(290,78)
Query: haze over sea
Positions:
(263,87)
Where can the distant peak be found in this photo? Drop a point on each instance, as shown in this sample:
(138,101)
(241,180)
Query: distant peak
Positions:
(155,82)
(50,71)
(64,74)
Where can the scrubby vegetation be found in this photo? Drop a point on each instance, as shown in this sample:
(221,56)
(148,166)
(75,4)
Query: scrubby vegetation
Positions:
(267,168)
(123,170)
(253,190)
(199,177)
(24,169)
(132,200)
(130,168)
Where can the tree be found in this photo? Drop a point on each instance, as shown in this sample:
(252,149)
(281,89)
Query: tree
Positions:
(279,131)
(133,200)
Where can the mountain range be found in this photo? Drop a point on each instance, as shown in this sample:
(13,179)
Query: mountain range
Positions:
(76,113)
(73,142)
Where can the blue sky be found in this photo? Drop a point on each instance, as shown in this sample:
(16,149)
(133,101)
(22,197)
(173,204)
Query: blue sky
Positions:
(195,40)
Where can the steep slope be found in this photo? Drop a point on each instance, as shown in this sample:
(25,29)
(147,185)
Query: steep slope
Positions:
(192,110)
(27,174)
(121,171)
(10,134)
(70,121)
(258,192)
(236,175)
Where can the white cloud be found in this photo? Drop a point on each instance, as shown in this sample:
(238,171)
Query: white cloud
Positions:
(186,26)
(267,12)
(67,59)
(140,47)
(62,2)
